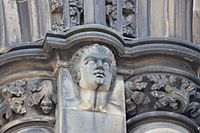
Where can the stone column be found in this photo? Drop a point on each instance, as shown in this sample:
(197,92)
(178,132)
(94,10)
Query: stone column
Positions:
(94,12)
(196,21)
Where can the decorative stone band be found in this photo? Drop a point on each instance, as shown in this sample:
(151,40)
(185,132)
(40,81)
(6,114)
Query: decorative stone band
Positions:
(31,124)
(159,121)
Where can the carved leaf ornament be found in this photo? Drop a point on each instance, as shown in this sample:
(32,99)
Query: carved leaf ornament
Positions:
(18,95)
(162,92)
(44,96)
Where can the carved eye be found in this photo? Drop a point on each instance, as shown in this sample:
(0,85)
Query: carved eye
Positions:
(106,63)
(90,61)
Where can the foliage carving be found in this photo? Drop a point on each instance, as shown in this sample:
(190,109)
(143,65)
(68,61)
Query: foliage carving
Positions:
(16,97)
(166,92)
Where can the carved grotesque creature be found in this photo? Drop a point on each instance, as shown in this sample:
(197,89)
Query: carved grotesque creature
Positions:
(93,69)
(46,105)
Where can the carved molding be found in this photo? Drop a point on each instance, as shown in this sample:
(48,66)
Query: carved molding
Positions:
(26,97)
(30,124)
(166,92)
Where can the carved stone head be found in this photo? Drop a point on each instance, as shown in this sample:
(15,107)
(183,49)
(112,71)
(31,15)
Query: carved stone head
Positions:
(46,105)
(93,66)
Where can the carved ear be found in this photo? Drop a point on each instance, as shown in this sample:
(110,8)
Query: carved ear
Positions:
(114,71)
(78,78)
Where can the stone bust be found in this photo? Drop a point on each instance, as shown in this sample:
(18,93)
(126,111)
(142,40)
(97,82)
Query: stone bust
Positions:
(93,70)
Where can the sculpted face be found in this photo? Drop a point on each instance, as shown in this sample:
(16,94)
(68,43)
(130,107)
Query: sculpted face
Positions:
(93,67)
(93,70)
(96,71)
(46,105)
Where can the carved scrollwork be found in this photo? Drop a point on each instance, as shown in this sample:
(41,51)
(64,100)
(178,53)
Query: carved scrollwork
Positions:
(17,96)
(111,13)
(135,94)
(43,95)
(167,94)
(193,109)
(152,92)
(6,112)
(14,93)
(129,19)
(15,88)
(75,11)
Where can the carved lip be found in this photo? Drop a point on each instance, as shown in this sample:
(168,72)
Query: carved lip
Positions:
(99,73)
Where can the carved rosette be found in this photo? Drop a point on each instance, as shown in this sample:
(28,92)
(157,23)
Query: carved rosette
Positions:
(111,13)
(129,18)
(162,92)
(24,97)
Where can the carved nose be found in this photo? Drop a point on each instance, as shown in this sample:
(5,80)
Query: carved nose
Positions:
(99,64)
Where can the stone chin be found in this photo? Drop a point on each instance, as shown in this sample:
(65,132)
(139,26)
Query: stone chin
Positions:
(99,77)
(99,81)
(102,84)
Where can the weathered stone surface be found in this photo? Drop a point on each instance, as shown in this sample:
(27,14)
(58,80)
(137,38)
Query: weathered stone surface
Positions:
(29,20)
(89,74)
(21,96)
(162,91)
(91,93)
(90,122)
(196,20)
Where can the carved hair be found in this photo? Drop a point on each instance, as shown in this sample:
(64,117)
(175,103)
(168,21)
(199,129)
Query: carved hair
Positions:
(83,52)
